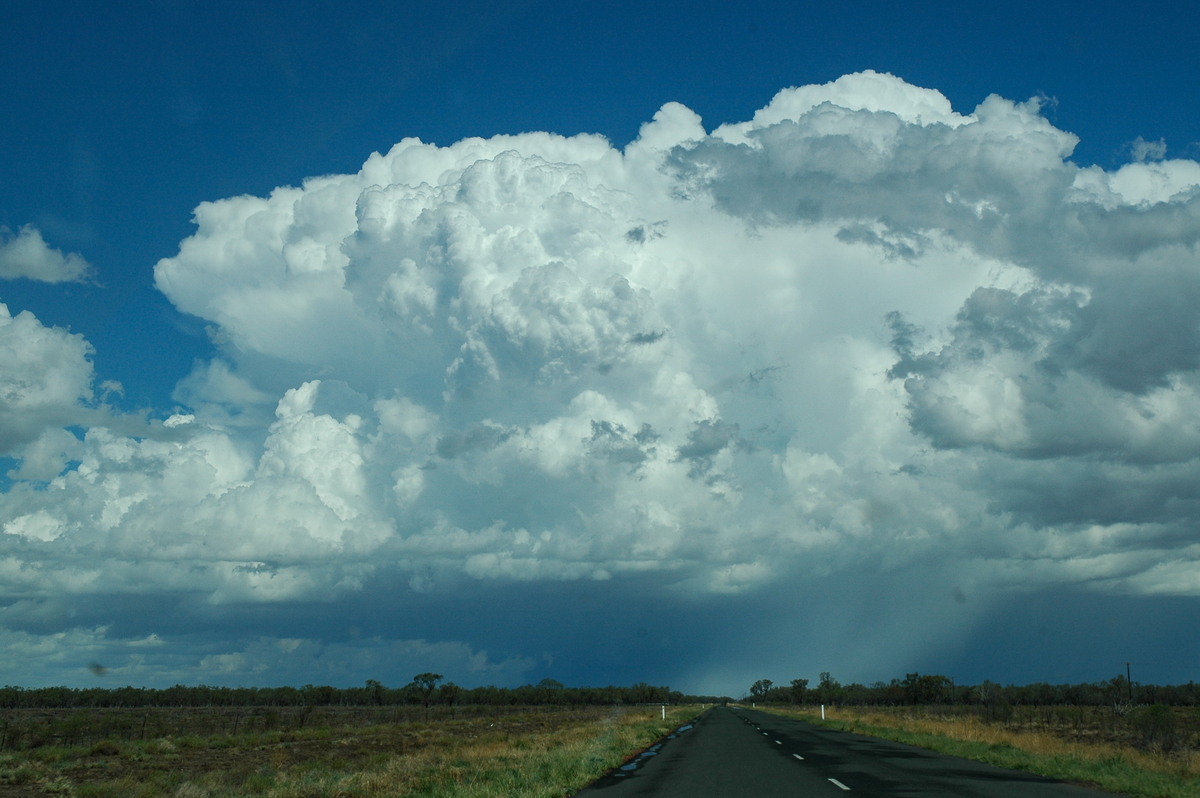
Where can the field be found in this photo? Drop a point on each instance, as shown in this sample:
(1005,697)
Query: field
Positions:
(1141,751)
(297,752)
(320,751)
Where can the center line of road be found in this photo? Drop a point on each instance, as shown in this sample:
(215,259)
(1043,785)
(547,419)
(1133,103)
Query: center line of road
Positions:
(839,784)
(798,757)
(778,743)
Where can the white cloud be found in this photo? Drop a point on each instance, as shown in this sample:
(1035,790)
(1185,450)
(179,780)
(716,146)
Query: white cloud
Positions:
(319,450)
(45,379)
(47,456)
(870,91)
(860,332)
(1143,150)
(26,254)
(1149,183)
(40,525)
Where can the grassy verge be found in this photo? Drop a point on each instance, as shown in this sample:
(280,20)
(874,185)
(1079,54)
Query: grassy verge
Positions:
(1110,767)
(543,754)
(546,764)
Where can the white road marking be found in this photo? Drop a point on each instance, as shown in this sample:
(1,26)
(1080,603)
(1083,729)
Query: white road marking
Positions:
(838,783)
(798,757)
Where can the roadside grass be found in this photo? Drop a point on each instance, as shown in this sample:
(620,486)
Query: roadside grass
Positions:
(1106,766)
(541,765)
(540,754)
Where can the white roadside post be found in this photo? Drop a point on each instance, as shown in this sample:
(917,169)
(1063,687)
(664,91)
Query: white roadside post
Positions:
(822,712)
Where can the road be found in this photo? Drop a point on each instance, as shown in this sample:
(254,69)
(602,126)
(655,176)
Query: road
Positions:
(741,752)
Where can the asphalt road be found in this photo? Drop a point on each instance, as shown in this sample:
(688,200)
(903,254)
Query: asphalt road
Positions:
(742,752)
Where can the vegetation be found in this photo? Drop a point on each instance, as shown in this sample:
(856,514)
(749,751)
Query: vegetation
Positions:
(334,751)
(431,737)
(1131,738)
(428,737)
(1077,744)
(426,690)
(425,738)
(917,689)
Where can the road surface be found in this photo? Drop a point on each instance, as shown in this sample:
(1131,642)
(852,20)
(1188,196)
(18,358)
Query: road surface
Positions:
(728,753)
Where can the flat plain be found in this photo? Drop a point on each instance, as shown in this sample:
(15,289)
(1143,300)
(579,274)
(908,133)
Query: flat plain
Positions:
(310,751)
(1151,751)
(319,751)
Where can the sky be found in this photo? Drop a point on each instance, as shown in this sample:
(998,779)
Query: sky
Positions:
(606,344)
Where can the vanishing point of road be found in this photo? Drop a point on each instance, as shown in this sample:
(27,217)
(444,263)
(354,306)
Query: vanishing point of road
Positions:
(730,753)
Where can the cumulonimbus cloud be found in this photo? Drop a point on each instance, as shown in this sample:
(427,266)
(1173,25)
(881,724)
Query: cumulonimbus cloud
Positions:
(859,329)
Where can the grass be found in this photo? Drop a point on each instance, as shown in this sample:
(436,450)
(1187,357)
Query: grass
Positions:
(1110,766)
(547,764)
(541,753)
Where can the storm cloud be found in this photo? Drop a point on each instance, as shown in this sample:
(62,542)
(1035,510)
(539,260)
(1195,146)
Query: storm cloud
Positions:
(860,334)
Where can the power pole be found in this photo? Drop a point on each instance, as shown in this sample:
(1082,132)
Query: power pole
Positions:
(1129,682)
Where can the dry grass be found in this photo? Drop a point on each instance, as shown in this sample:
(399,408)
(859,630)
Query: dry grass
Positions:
(541,753)
(1109,765)
(547,764)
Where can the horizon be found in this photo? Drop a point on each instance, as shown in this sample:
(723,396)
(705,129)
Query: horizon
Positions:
(747,693)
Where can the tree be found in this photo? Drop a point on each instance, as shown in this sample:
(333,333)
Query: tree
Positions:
(643,693)
(449,693)
(375,691)
(425,684)
(996,704)
(760,688)
(799,688)
(828,688)
(927,689)
(1119,691)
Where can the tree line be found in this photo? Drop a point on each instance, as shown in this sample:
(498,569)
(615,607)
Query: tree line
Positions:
(918,688)
(430,689)
(426,689)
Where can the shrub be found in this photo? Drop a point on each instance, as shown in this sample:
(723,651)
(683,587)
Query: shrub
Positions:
(105,748)
(1156,726)
(21,774)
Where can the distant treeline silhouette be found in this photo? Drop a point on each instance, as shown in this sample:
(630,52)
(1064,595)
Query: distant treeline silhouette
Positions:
(428,689)
(425,689)
(917,688)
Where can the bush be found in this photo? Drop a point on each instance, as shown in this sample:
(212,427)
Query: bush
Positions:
(1155,725)
(105,748)
(21,774)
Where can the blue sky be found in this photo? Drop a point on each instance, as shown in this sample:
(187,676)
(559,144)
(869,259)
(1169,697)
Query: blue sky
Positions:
(124,119)
(809,357)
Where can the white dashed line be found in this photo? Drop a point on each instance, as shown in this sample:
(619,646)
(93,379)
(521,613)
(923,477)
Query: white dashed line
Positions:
(839,784)
(778,743)
(798,757)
